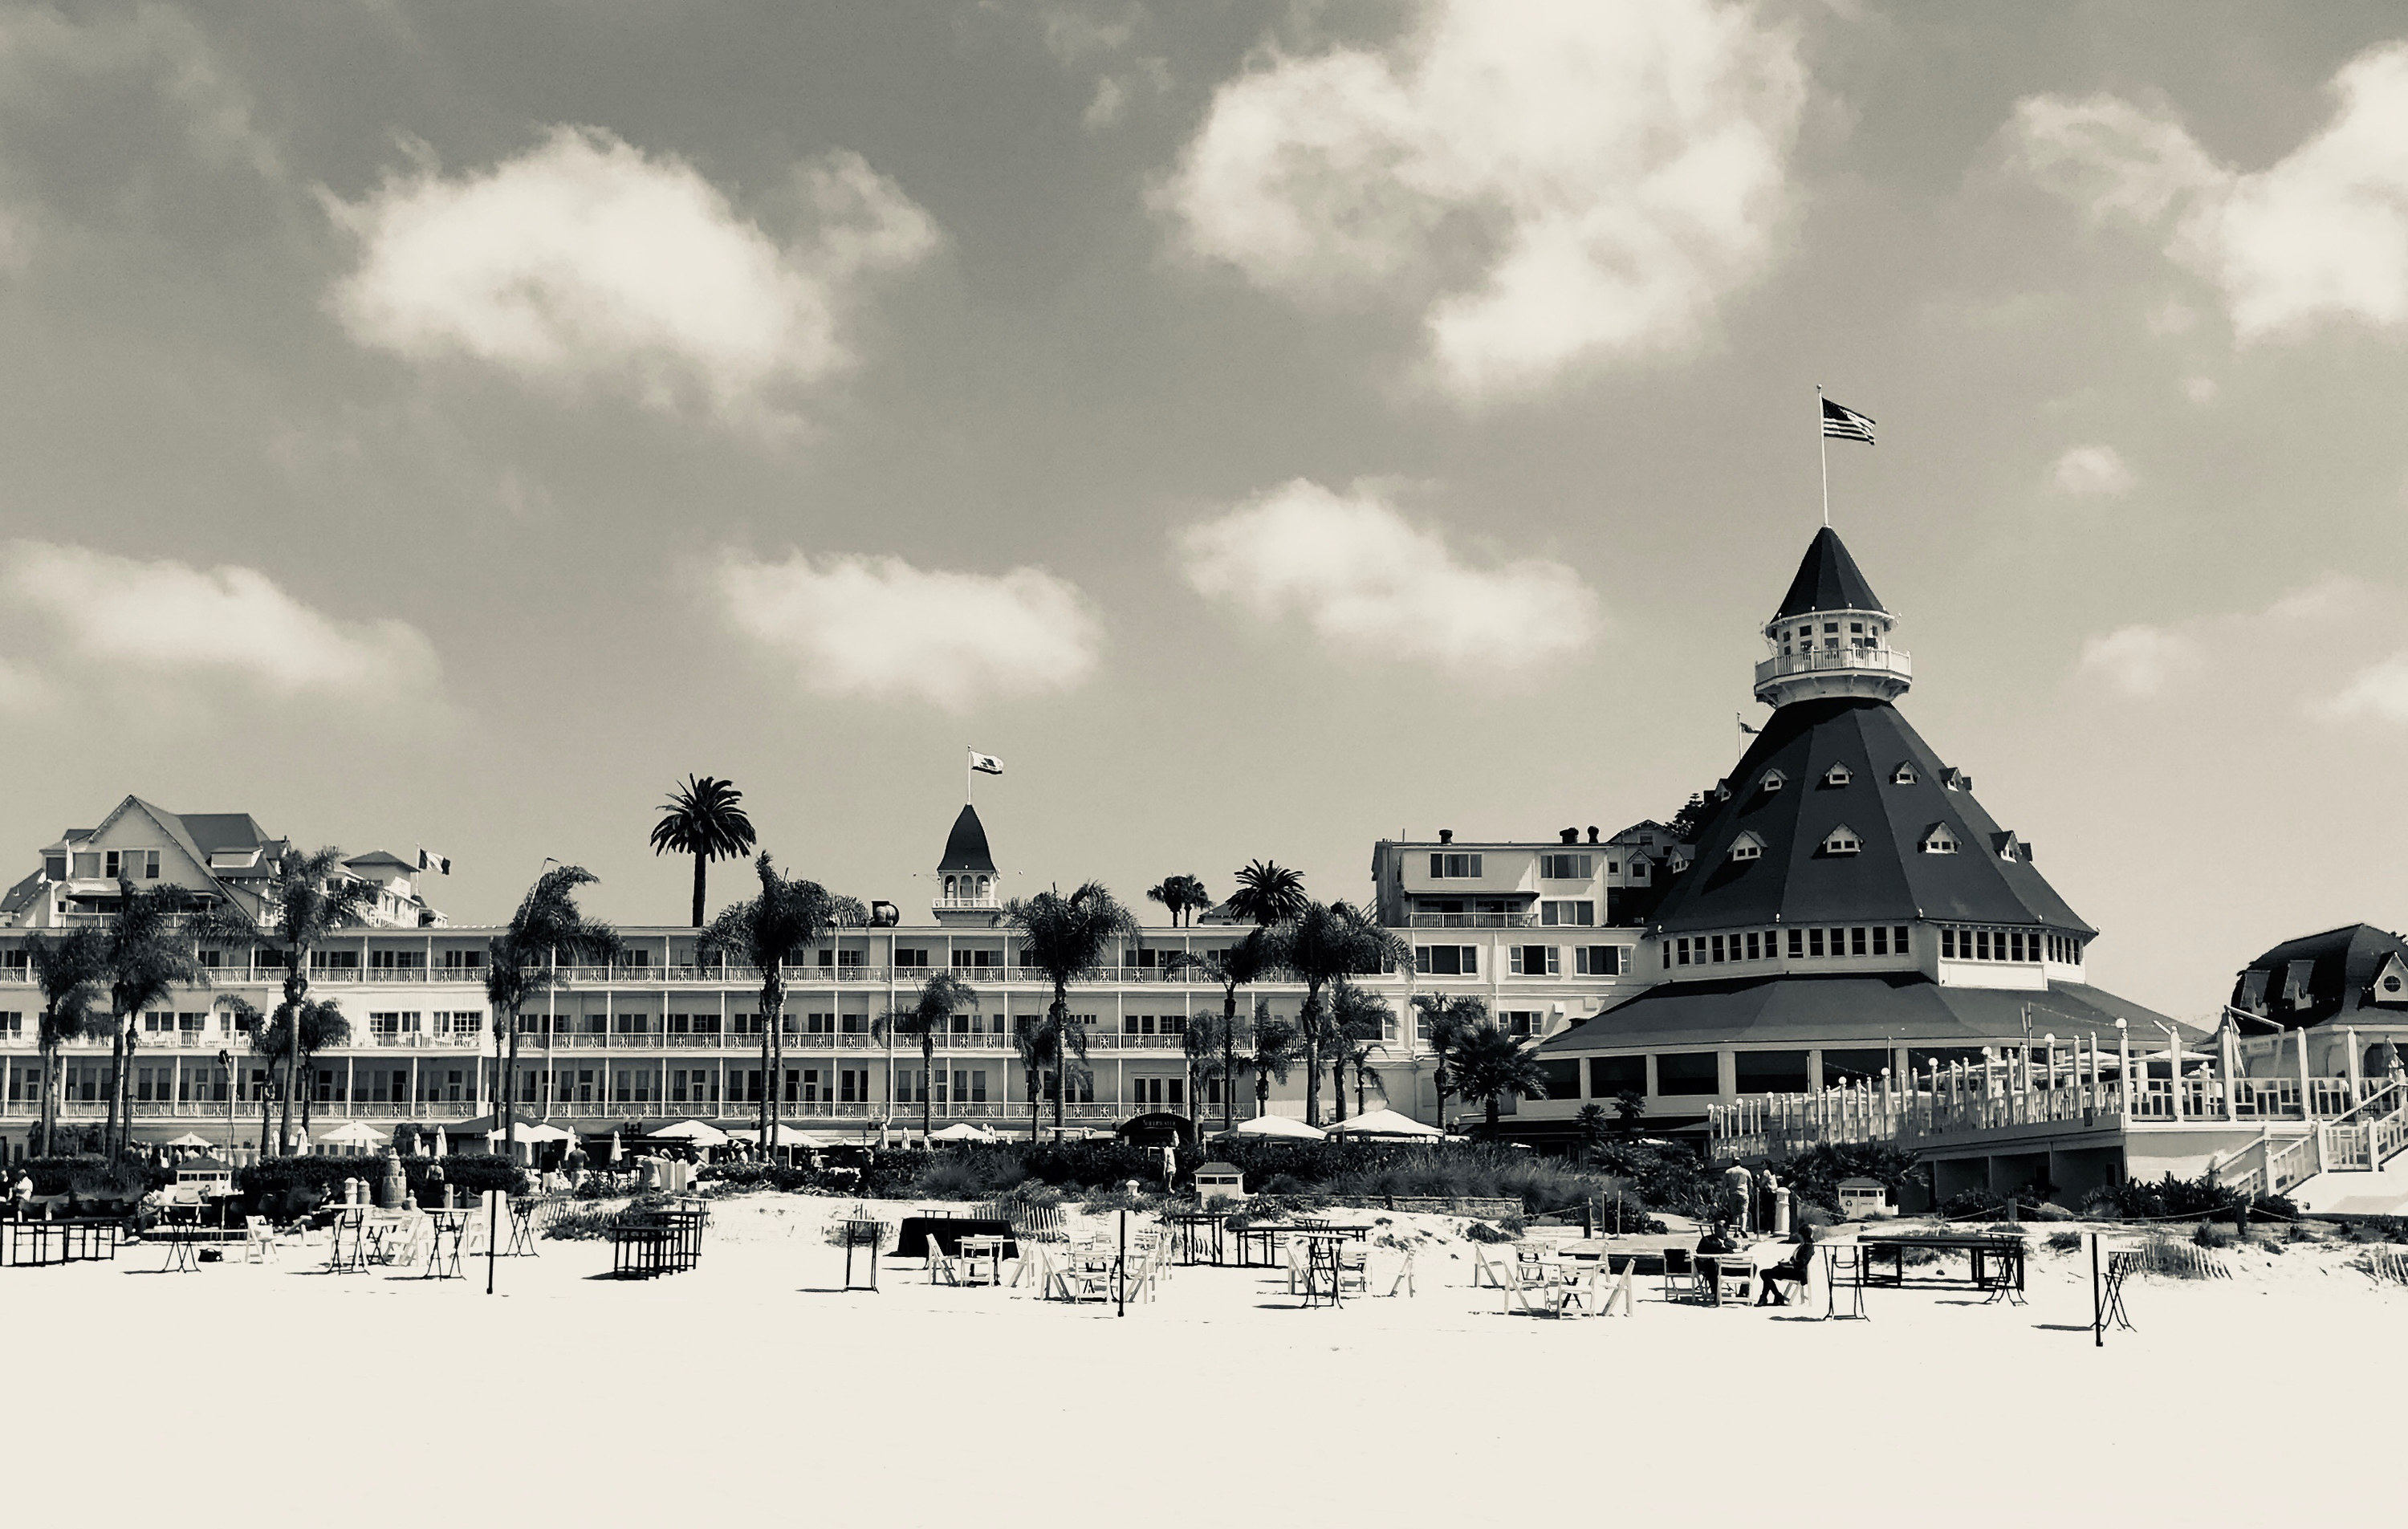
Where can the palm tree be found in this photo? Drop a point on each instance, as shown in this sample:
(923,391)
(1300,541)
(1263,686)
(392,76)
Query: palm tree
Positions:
(68,969)
(144,956)
(1234,966)
(1359,1021)
(1267,894)
(523,961)
(1033,1044)
(1447,1015)
(769,933)
(316,1026)
(1326,942)
(1068,938)
(1206,1045)
(310,898)
(928,1015)
(1488,1064)
(1272,1051)
(704,818)
(1185,895)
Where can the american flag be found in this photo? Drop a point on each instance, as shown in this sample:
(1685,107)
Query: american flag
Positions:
(1843,424)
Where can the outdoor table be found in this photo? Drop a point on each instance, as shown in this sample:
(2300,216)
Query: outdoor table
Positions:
(987,1249)
(1995,1264)
(861,1232)
(1263,1240)
(912,1237)
(639,1252)
(448,1224)
(91,1238)
(1195,1235)
(521,1229)
(1321,1263)
(685,1237)
(179,1240)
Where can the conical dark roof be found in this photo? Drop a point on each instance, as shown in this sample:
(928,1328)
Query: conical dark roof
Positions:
(1794,881)
(966,846)
(1828,579)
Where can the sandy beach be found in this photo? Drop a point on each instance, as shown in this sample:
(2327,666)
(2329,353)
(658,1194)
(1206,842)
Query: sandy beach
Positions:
(752,1385)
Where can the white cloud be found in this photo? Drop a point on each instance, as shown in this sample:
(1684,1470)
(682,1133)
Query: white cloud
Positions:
(588,262)
(1550,184)
(2379,693)
(2201,390)
(2321,234)
(22,689)
(2091,472)
(1368,581)
(2139,660)
(168,618)
(881,628)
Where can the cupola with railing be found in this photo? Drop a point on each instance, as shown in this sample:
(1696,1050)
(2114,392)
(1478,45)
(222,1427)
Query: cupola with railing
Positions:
(1831,634)
(969,888)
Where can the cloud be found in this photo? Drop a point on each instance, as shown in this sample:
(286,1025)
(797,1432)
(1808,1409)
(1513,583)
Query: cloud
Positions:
(2201,390)
(2320,235)
(878,627)
(2090,472)
(116,616)
(1368,581)
(1549,185)
(2139,660)
(587,263)
(22,689)
(2379,693)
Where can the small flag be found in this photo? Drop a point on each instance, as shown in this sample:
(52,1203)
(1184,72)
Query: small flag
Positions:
(428,861)
(1841,422)
(1741,718)
(985,763)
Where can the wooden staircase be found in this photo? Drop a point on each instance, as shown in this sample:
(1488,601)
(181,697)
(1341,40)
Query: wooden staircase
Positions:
(2360,1141)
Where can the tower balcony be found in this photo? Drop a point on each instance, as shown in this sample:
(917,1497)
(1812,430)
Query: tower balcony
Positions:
(1881,673)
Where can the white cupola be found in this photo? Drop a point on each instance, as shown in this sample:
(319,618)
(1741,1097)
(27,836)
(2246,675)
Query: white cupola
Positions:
(1832,636)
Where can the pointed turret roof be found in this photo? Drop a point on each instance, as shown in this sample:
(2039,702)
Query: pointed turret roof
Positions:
(966,846)
(1828,579)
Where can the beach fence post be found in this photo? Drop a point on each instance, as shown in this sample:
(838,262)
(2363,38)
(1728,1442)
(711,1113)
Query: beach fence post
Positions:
(2098,1316)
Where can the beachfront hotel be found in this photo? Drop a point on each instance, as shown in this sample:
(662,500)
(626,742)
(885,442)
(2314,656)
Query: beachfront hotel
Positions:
(1829,944)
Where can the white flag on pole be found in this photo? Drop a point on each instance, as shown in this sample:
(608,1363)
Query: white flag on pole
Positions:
(985,763)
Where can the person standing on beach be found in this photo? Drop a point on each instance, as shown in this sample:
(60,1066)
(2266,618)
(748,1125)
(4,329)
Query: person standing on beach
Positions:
(1169,1165)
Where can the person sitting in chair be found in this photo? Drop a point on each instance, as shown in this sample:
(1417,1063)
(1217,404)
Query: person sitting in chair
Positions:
(1792,1270)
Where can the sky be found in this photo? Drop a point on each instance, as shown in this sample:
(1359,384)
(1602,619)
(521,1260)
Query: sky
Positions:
(1266,426)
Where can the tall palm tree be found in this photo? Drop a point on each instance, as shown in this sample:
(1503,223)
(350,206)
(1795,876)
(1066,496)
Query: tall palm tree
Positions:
(1185,895)
(1326,942)
(146,953)
(1447,1015)
(1271,1050)
(68,969)
(704,818)
(928,1015)
(1068,938)
(1359,1021)
(1488,1064)
(1234,966)
(307,900)
(1267,894)
(1202,1044)
(769,933)
(523,963)
(1034,1045)
(316,1026)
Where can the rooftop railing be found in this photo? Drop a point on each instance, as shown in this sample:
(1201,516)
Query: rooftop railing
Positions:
(1835,660)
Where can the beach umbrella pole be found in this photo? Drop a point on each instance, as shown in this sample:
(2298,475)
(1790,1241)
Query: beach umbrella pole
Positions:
(492,1228)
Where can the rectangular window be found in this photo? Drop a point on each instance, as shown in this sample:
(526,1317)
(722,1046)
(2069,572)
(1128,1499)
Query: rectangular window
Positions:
(1947,943)
(1898,941)
(1753,952)
(1599,960)
(1718,949)
(1580,914)
(1797,944)
(1562,1079)
(1855,942)
(1610,1074)
(1453,867)
(1447,960)
(1535,960)
(1688,1073)
(1815,942)
(1566,868)
(1768,1072)
(1881,939)
(1684,950)
(1981,945)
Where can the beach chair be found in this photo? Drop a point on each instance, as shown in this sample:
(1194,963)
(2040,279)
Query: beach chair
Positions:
(1487,1270)
(1090,1274)
(1299,1265)
(942,1264)
(1353,1268)
(1582,1295)
(258,1241)
(1681,1278)
(1398,1276)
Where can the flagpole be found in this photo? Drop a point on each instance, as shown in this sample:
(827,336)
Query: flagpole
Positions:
(1823,441)
(967,754)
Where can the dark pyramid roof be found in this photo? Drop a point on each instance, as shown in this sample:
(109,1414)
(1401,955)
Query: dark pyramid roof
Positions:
(1888,879)
(1879,1009)
(966,846)
(1828,579)
(2343,965)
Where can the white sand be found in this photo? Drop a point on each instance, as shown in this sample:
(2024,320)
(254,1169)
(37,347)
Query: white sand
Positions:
(750,1387)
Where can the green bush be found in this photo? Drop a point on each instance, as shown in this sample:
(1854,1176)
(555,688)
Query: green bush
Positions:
(1814,1174)
(2168,1197)
(290,1185)
(2065,1242)
(1483,1232)
(88,1177)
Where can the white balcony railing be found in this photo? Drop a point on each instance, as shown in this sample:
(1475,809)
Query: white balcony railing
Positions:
(1892,661)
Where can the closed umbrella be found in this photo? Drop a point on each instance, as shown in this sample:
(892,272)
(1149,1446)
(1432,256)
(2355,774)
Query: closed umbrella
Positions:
(442,1145)
(615,1149)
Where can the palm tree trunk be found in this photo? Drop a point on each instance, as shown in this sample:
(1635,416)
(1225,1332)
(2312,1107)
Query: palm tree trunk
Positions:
(1492,1115)
(928,1095)
(510,1094)
(296,988)
(1337,1081)
(699,861)
(1229,1058)
(50,1108)
(116,1073)
(768,1021)
(1059,1016)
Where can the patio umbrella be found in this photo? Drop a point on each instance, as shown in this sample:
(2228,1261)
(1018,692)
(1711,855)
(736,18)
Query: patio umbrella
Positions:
(357,1134)
(962,1131)
(1384,1123)
(700,1133)
(187,1139)
(1279,1127)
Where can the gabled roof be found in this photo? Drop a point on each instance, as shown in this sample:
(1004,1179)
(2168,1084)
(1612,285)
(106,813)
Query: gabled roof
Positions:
(2340,965)
(379,857)
(1883,1008)
(14,900)
(966,846)
(215,831)
(1887,878)
(1828,579)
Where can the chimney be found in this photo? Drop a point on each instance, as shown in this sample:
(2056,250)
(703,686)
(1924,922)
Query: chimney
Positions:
(1571,835)
(1592,832)
(1446,836)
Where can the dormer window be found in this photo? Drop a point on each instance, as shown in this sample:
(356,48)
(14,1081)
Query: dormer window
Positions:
(1747,847)
(1955,780)
(1937,840)
(2009,848)
(1838,775)
(1678,862)
(1842,840)
(1773,780)
(1902,775)
(1722,791)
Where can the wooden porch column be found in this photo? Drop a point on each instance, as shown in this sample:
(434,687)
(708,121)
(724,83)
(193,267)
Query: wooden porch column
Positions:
(2349,1039)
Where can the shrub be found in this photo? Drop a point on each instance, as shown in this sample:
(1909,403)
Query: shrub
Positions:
(1483,1232)
(289,1186)
(88,1177)
(1814,1174)
(2065,1242)
(2168,1197)
(1973,1202)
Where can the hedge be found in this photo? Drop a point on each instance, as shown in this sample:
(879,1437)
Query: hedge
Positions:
(90,1176)
(286,1178)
